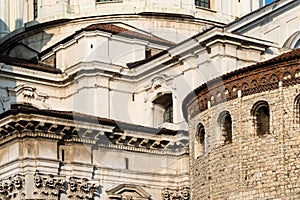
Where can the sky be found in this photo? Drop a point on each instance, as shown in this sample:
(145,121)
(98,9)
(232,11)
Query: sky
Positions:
(269,1)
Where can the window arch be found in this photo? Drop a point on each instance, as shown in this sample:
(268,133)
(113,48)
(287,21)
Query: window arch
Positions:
(297,109)
(163,109)
(297,45)
(200,140)
(293,42)
(225,124)
(261,114)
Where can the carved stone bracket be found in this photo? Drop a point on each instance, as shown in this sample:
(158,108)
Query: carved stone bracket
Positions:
(12,187)
(51,186)
(82,188)
(48,186)
(176,194)
(30,94)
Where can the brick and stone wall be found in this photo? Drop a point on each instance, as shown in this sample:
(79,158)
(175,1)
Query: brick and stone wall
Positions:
(251,166)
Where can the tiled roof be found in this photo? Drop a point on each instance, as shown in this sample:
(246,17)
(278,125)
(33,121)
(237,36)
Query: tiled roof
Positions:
(70,115)
(28,64)
(115,30)
(293,55)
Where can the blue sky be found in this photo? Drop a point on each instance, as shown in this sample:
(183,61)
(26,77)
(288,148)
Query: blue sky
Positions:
(269,1)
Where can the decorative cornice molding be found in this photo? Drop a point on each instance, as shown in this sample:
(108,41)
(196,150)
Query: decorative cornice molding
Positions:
(95,131)
(12,187)
(283,71)
(52,186)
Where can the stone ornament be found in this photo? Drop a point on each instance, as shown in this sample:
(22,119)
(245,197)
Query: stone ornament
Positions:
(30,94)
(82,188)
(52,186)
(48,186)
(176,194)
(12,187)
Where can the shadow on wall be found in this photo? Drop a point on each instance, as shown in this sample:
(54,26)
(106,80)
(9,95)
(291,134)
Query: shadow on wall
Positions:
(25,44)
(3,29)
(19,23)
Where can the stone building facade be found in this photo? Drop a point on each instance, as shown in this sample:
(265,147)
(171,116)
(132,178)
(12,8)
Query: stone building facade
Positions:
(244,129)
(91,96)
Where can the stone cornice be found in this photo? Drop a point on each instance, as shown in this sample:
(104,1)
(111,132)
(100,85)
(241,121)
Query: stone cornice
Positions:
(256,17)
(283,71)
(78,128)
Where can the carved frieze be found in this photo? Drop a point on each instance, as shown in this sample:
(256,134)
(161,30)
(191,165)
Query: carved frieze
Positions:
(82,188)
(30,94)
(12,187)
(248,81)
(48,186)
(53,186)
(176,194)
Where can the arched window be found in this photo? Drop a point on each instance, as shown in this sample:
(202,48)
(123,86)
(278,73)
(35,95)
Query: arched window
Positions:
(261,115)
(293,42)
(297,109)
(200,140)
(297,45)
(163,109)
(225,124)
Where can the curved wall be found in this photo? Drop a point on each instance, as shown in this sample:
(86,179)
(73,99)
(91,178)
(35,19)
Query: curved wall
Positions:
(252,166)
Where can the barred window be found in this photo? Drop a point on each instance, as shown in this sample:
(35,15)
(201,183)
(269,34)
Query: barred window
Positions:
(203,3)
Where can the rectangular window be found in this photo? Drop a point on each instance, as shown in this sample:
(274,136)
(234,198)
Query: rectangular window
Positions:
(35,9)
(202,3)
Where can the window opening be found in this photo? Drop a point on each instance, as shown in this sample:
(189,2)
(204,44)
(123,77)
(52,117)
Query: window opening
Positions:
(200,140)
(168,115)
(297,109)
(225,124)
(261,114)
(163,109)
(203,3)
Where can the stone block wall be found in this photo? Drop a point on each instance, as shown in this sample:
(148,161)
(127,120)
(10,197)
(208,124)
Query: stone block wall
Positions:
(252,166)
(261,159)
